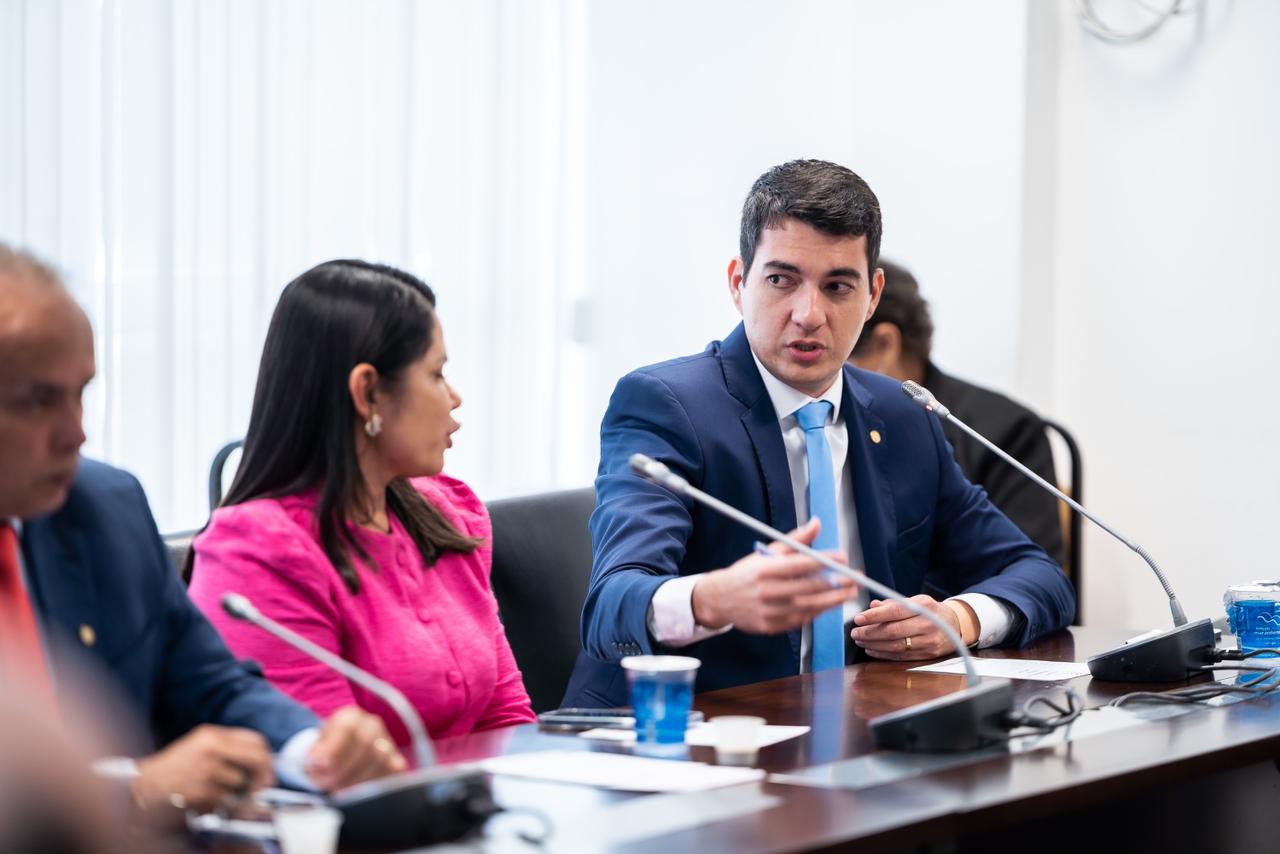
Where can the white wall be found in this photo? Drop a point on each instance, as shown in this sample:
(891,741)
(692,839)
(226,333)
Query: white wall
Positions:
(1086,219)
(1159,316)
(690,102)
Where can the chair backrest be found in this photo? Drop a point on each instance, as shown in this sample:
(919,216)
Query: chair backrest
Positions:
(1073,519)
(541,568)
(216,476)
(178,545)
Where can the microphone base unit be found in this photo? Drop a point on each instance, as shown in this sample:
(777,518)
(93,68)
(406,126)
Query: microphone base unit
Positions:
(964,720)
(414,809)
(1174,655)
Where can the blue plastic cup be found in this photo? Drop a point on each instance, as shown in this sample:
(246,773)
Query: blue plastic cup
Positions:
(661,696)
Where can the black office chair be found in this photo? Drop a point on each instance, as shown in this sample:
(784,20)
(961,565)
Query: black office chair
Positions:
(1075,520)
(178,544)
(541,567)
(216,473)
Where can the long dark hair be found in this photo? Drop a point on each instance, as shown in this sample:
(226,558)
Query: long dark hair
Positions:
(331,318)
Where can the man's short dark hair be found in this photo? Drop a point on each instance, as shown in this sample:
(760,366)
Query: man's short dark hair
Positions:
(825,195)
(901,305)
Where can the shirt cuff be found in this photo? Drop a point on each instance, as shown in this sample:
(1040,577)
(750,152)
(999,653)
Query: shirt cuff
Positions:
(994,618)
(291,761)
(116,768)
(670,615)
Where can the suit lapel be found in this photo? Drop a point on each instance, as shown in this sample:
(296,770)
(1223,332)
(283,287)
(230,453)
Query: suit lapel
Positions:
(742,379)
(62,583)
(761,422)
(872,490)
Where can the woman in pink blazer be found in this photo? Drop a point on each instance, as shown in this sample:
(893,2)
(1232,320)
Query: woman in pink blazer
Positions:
(339,523)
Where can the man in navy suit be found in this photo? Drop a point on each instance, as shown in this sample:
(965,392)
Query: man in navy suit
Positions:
(669,574)
(92,574)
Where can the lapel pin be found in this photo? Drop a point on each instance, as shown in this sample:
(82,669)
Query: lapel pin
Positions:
(88,636)
(875,437)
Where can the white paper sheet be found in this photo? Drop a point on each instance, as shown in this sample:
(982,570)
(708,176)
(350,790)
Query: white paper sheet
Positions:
(1013,668)
(619,771)
(701,735)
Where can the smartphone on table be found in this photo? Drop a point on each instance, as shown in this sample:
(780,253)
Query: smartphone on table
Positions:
(576,720)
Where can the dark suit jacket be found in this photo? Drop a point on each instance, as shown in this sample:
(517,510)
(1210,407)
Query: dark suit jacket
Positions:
(709,417)
(1013,428)
(98,562)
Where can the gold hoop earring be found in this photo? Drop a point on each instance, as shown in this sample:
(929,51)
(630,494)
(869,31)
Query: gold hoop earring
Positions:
(373,426)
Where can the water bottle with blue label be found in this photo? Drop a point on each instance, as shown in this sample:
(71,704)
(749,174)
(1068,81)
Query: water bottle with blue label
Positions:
(1253,611)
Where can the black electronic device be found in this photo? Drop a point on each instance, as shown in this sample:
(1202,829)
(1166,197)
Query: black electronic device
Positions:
(575,719)
(1174,655)
(414,809)
(968,719)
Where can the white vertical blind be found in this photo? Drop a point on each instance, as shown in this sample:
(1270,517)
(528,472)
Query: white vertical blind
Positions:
(566,174)
(182,160)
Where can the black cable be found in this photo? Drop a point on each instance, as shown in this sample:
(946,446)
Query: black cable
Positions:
(1199,694)
(1238,655)
(1025,718)
(536,839)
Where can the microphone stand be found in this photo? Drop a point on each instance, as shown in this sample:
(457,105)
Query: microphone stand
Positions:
(1173,655)
(963,720)
(415,808)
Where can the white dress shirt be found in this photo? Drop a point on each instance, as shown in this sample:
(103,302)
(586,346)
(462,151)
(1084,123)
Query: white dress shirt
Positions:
(670,616)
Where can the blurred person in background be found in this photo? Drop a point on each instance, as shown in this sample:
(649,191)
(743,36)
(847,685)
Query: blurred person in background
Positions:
(83,567)
(897,342)
(339,523)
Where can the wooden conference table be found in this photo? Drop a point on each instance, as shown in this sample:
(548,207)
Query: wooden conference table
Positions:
(1207,777)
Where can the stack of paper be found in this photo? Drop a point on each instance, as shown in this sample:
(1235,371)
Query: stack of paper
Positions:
(619,771)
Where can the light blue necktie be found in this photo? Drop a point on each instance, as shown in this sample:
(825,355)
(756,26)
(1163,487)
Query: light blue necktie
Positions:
(828,627)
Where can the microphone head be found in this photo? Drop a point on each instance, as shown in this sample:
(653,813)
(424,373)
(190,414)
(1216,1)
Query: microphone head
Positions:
(925,398)
(238,606)
(652,470)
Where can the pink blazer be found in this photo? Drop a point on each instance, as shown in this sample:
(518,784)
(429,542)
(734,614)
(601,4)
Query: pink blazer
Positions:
(433,632)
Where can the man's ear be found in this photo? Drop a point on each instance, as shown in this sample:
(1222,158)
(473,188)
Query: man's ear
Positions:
(877,289)
(362,384)
(737,280)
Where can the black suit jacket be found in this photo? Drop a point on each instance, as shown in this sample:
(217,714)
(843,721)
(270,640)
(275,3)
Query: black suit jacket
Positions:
(1015,429)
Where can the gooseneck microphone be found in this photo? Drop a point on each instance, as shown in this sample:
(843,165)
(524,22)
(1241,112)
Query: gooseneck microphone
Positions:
(415,808)
(1168,656)
(242,609)
(963,720)
(925,398)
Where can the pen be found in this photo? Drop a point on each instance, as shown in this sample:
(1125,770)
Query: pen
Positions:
(761,549)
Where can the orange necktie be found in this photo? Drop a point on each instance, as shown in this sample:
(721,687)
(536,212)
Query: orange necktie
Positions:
(21,655)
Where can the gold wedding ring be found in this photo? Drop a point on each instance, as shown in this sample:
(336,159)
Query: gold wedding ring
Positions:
(906,644)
